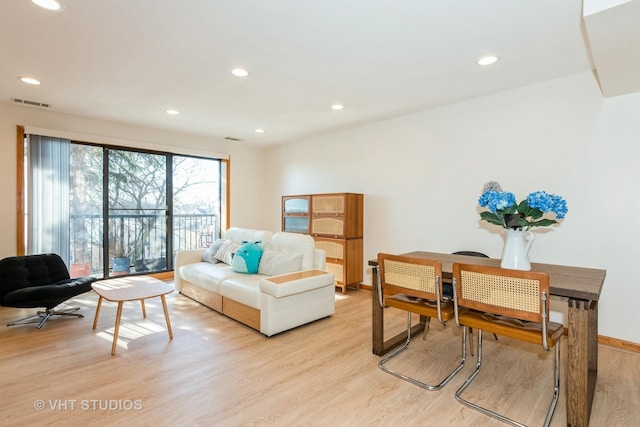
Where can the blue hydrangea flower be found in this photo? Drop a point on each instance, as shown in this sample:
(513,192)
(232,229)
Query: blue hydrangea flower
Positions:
(497,200)
(540,200)
(548,203)
(559,206)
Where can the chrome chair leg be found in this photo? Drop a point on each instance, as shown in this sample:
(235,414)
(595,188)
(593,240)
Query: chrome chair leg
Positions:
(426,328)
(414,381)
(41,317)
(556,385)
(474,374)
(471,340)
(30,319)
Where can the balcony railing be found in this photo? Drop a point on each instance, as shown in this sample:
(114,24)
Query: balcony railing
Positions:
(141,237)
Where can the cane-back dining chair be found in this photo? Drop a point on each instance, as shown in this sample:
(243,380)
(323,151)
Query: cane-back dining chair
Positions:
(448,291)
(414,285)
(511,303)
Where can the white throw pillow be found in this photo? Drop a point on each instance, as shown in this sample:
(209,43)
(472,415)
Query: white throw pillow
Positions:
(274,263)
(226,251)
(210,253)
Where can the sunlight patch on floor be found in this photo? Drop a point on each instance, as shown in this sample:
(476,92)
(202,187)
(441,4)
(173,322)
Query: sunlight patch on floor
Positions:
(131,331)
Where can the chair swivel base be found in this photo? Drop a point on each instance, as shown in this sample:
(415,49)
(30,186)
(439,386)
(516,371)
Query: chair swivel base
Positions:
(42,316)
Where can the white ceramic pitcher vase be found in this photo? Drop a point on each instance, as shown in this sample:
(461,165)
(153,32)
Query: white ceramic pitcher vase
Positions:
(515,255)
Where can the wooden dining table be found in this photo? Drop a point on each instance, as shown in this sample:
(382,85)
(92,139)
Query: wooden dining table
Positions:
(581,287)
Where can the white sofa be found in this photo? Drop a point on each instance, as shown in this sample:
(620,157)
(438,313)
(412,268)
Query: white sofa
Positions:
(269,304)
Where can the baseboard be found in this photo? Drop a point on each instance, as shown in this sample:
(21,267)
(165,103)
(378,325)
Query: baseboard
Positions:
(619,344)
(165,275)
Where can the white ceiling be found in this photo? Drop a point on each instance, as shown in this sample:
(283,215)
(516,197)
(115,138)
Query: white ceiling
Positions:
(130,60)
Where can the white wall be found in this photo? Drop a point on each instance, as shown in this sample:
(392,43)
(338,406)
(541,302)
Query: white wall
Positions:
(247,166)
(423,173)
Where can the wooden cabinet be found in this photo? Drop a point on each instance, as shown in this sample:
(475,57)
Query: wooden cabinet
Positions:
(336,223)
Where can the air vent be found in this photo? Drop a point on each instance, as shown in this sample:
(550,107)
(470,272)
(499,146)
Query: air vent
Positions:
(230,138)
(31,103)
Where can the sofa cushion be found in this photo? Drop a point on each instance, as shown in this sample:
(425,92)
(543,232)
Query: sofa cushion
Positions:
(274,263)
(294,243)
(248,235)
(206,275)
(210,253)
(226,251)
(243,288)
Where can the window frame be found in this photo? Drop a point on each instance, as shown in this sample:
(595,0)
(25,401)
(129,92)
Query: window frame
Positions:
(21,171)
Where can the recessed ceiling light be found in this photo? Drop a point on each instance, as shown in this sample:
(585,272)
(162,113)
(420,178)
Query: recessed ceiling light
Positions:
(337,107)
(30,81)
(173,112)
(240,72)
(259,130)
(487,60)
(48,4)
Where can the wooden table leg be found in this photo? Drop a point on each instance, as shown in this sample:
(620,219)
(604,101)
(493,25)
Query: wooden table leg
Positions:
(117,328)
(95,319)
(144,311)
(582,360)
(380,346)
(377,316)
(166,316)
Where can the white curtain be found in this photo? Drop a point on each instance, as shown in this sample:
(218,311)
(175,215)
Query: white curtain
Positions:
(48,195)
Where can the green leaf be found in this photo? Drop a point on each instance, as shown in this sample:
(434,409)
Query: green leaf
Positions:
(492,218)
(536,213)
(510,210)
(523,208)
(543,223)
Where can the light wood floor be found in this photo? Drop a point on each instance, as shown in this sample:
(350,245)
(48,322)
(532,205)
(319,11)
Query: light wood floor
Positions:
(216,372)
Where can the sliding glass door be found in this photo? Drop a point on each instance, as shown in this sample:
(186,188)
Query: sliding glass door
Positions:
(197,200)
(137,211)
(86,210)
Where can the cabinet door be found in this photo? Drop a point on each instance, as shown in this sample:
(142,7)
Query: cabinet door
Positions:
(327,226)
(295,205)
(328,204)
(295,214)
(295,224)
(334,249)
(337,270)
(335,253)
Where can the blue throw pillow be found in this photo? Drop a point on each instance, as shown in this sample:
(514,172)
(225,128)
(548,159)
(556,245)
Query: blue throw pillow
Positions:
(247,258)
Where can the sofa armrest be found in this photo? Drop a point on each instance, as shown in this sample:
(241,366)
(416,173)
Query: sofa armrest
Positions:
(295,283)
(320,259)
(185,257)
